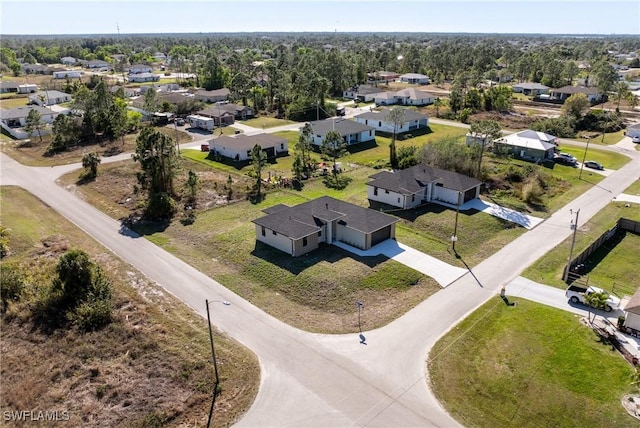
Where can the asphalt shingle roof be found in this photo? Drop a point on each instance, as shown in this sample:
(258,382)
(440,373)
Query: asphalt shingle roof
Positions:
(246,142)
(412,180)
(304,219)
(383,115)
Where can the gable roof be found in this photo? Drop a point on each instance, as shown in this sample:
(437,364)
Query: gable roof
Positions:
(50,94)
(414,179)
(530,85)
(633,305)
(342,126)
(305,219)
(215,111)
(383,115)
(8,84)
(414,76)
(246,142)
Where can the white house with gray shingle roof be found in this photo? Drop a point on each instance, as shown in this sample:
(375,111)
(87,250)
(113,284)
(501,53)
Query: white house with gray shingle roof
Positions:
(530,88)
(238,147)
(49,98)
(380,120)
(13,120)
(408,96)
(302,228)
(408,188)
(528,144)
(351,131)
(415,78)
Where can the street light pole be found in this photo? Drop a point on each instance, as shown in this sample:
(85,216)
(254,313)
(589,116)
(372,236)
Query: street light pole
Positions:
(574,226)
(584,157)
(360,306)
(215,363)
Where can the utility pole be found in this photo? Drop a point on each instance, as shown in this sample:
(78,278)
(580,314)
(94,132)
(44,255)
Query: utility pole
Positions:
(215,367)
(454,237)
(574,226)
(584,157)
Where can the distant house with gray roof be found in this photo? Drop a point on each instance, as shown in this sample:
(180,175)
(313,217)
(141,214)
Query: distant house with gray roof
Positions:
(420,184)
(362,93)
(13,120)
(49,98)
(6,86)
(213,96)
(351,131)
(530,88)
(302,228)
(415,78)
(408,97)
(238,147)
(561,94)
(381,122)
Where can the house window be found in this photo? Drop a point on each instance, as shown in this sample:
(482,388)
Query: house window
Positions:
(274,232)
(264,232)
(304,241)
(281,146)
(413,198)
(379,124)
(398,200)
(386,191)
(319,233)
(375,191)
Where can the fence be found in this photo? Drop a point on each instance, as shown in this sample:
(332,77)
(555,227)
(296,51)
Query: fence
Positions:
(622,223)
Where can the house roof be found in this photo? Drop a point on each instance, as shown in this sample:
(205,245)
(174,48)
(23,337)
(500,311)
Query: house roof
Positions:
(576,90)
(385,96)
(366,89)
(173,97)
(18,112)
(530,139)
(414,76)
(215,93)
(140,66)
(383,115)
(215,111)
(8,84)
(413,94)
(144,75)
(305,219)
(414,179)
(50,94)
(243,142)
(633,305)
(384,74)
(342,126)
(530,85)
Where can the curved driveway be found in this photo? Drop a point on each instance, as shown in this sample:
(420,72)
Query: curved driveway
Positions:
(330,380)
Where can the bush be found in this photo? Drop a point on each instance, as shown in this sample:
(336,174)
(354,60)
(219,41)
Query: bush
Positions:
(560,127)
(12,284)
(160,206)
(337,182)
(531,192)
(92,315)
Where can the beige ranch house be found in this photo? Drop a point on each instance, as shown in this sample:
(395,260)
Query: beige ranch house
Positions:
(302,228)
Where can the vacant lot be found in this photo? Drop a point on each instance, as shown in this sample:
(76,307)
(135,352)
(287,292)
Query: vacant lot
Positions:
(529,365)
(614,264)
(150,367)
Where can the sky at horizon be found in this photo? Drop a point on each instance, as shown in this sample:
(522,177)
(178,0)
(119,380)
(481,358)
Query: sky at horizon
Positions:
(52,17)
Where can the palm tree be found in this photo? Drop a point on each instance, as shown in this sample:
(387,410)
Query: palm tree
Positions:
(259,161)
(333,146)
(437,103)
(396,117)
(622,91)
(596,300)
(91,161)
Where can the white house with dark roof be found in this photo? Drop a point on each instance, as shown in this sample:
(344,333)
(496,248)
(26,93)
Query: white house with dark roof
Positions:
(408,188)
(238,147)
(68,60)
(140,68)
(7,86)
(383,76)
(528,144)
(530,88)
(415,78)
(49,98)
(98,63)
(302,228)
(67,74)
(632,312)
(380,120)
(351,131)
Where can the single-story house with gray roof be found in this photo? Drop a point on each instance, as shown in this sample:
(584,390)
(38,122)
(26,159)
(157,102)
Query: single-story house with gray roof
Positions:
(408,96)
(49,98)
(352,132)
(380,120)
(561,94)
(302,228)
(530,88)
(362,93)
(13,120)
(143,77)
(214,96)
(7,86)
(415,78)
(528,144)
(408,188)
(238,147)
(632,312)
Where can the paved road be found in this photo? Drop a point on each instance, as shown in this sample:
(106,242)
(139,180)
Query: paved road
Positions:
(330,380)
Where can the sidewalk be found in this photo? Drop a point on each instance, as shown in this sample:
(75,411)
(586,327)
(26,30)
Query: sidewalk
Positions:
(442,272)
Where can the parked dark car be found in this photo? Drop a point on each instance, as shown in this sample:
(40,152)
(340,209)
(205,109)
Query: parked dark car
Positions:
(564,160)
(179,121)
(593,165)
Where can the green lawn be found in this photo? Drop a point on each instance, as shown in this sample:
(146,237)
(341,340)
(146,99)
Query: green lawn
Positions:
(609,139)
(608,159)
(618,264)
(529,366)
(13,102)
(266,122)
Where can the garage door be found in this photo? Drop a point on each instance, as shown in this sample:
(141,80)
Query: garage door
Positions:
(469,194)
(380,235)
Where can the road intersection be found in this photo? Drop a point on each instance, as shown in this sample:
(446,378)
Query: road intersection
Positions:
(330,380)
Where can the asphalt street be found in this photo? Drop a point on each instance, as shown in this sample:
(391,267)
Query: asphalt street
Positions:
(330,380)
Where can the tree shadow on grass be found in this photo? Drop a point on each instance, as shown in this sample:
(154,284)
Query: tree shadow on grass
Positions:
(324,253)
(136,226)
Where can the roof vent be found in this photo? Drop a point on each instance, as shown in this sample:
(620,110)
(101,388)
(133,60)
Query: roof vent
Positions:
(327,205)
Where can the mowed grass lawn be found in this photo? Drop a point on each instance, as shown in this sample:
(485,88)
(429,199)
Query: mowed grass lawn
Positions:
(529,366)
(617,262)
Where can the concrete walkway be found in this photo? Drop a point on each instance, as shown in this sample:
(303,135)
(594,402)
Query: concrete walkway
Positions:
(527,221)
(442,272)
(625,197)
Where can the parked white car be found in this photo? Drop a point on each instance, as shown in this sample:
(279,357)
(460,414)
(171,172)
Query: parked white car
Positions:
(577,294)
